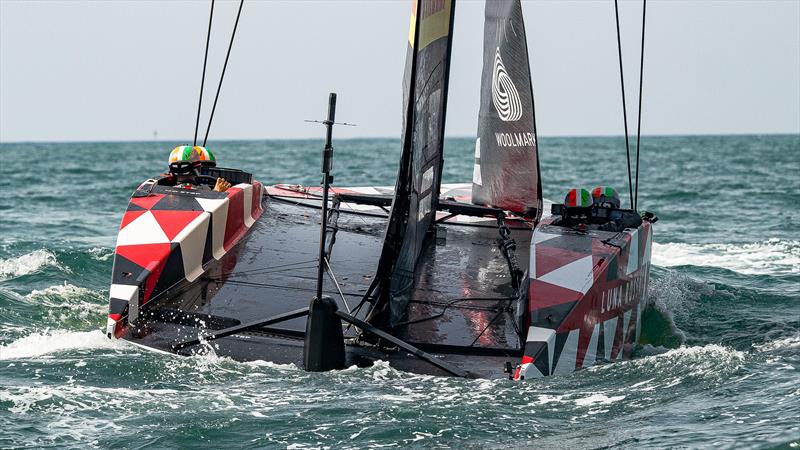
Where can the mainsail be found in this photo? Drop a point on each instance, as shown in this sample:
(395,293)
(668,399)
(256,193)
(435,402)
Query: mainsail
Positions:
(417,188)
(506,171)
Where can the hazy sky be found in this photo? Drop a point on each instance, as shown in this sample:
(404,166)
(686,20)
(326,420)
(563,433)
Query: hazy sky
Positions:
(74,70)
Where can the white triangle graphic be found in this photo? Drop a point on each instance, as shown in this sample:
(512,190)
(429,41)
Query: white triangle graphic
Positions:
(591,351)
(539,334)
(626,319)
(566,362)
(142,230)
(576,276)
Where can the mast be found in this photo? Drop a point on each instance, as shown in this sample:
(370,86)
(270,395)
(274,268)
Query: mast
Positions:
(416,194)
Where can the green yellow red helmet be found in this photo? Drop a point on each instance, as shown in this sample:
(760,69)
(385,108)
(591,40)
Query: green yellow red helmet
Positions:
(606,196)
(578,197)
(193,154)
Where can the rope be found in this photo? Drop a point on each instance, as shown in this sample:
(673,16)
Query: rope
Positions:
(203,79)
(222,75)
(624,107)
(639,125)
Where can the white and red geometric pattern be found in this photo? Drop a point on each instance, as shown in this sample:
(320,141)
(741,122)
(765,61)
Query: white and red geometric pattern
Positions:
(585,297)
(168,236)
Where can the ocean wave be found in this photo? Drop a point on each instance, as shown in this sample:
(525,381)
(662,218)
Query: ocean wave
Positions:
(101,253)
(771,257)
(686,365)
(27,263)
(54,341)
(787,344)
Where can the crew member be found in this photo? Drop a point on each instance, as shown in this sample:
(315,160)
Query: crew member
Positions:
(187,174)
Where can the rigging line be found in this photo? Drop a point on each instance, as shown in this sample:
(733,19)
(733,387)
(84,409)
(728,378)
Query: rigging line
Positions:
(491,322)
(278,268)
(336,282)
(639,122)
(203,79)
(222,75)
(624,107)
(279,287)
(271,269)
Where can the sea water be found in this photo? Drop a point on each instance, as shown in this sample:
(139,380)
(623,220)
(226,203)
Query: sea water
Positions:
(717,366)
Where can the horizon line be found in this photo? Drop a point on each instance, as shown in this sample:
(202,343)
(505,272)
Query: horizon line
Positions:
(552,136)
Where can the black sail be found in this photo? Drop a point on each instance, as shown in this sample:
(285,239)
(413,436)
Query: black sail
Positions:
(506,173)
(417,188)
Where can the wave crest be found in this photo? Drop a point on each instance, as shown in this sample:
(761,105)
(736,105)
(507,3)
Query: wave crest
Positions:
(27,263)
(771,257)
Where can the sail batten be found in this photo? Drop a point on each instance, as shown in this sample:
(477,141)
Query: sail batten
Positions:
(419,176)
(506,171)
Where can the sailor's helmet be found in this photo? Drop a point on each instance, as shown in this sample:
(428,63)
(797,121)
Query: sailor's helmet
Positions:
(192,154)
(578,197)
(606,196)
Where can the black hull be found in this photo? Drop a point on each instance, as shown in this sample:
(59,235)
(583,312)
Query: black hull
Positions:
(272,271)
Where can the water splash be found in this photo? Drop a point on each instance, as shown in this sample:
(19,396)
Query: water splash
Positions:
(39,344)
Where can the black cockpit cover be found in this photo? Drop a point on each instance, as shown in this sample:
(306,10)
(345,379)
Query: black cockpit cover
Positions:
(506,174)
(417,189)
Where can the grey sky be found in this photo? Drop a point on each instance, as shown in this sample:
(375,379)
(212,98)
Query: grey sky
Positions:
(75,70)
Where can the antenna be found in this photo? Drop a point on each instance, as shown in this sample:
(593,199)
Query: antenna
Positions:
(327,179)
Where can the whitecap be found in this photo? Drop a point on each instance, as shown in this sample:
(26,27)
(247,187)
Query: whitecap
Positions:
(771,257)
(598,399)
(39,344)
(788,343)
(27,263)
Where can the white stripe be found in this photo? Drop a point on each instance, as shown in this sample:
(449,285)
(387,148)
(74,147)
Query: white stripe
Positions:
(218,207)
(192,240)
(476,172)
(123,291)
(633,253)
(247,191)
(609,330)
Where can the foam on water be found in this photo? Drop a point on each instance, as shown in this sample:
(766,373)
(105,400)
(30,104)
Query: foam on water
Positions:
(53,341)
(771,257)
(26,264)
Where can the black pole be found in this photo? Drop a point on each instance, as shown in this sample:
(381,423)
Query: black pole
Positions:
(327,163)
(203,79)
(624,108)
(639,124)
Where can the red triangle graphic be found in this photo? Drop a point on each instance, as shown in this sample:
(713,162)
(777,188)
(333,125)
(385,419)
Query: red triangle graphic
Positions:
(147,202)
(130,216)
(549,259)
(173,222)
(543,295)
(144,254)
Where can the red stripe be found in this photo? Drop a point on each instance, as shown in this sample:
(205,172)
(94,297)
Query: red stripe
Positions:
(234,227)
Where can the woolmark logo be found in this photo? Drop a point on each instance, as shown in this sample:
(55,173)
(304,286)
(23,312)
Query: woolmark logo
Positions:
(504,94)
